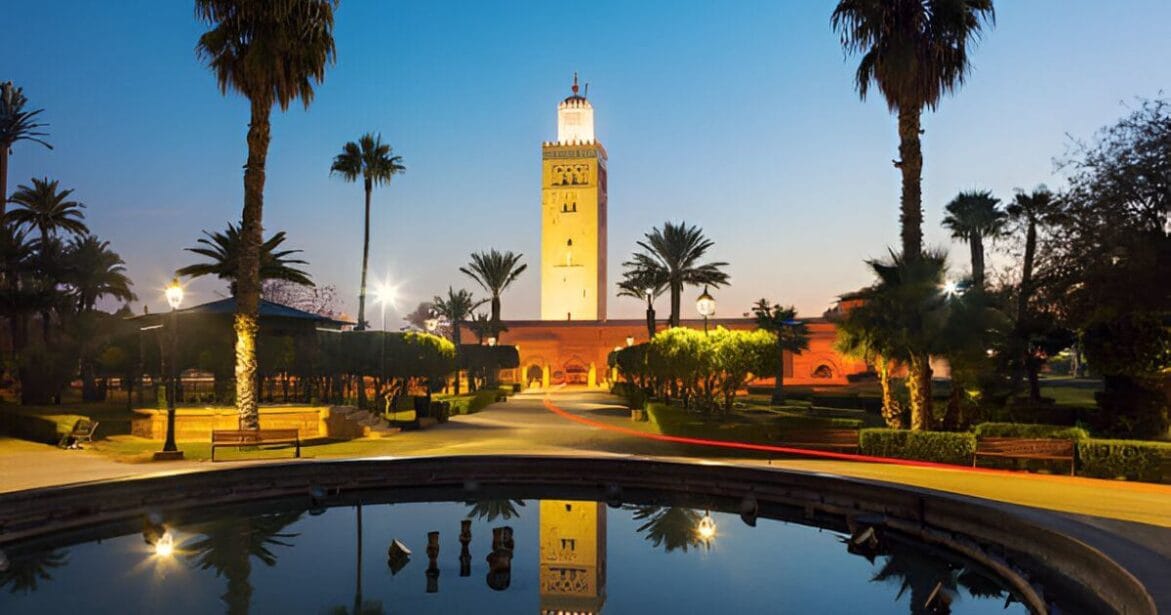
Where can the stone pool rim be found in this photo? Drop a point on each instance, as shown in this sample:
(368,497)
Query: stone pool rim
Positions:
(1123,574)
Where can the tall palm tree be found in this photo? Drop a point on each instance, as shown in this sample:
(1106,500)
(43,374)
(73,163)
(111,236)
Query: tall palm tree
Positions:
(1028,210)
(16,124)
(864,334)
(96,271)
(226,253)
(456,307)
(792,337)
(46,208)
(373,161)
(645,285)
(670,527)
(494,272)
(672,254)
(973,216)
(914,51)
(271,53)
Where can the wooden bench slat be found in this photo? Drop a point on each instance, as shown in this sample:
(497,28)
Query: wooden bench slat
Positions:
(255,437)
(846,439)
(1055,449)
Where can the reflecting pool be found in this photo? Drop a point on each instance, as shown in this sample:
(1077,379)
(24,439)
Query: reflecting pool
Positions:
(496,554)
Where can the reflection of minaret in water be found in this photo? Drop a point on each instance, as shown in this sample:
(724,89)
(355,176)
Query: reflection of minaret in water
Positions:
(573,556)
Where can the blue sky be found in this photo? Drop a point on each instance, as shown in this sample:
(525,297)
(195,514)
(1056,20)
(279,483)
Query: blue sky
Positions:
(740,117)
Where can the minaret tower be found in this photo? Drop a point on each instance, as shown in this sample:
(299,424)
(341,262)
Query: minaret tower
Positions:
(573,216)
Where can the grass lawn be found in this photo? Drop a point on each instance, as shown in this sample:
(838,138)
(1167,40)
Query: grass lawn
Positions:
(1071,391)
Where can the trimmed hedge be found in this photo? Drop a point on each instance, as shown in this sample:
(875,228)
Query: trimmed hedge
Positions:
(1130,459)
(1026,430)
(470,404)
(936,446)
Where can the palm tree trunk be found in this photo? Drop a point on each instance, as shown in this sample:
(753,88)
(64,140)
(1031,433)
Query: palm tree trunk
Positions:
(779,383)
(247,323)
(1026,360)
(891,412)
(3,178)
(495,311)
(365,260)
(676,299)
(919,383)
(911,165)
(977,244)
(455,340)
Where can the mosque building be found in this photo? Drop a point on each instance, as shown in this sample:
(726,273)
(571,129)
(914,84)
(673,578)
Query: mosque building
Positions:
(571,341)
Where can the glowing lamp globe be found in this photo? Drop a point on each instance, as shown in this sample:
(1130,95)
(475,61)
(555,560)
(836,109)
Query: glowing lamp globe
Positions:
(174,294)
(706,304)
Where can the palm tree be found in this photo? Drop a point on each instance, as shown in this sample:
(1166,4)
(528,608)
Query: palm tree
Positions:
(672,255)
(43,207)
(25,570)
(18,300)
(96,271)
(1028,211)
(271,53)
(914,51)
(792,337)
(491,510)
(226,253)
(494,272)
(456,308)
(909,313)
(16,124)
(973,216)
(864,334)
(228,545)
(671,527)
(373,161)
(643,285)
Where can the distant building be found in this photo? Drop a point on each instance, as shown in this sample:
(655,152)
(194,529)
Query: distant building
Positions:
(573,337)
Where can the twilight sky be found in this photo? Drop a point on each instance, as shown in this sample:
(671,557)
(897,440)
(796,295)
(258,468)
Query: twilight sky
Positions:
(740,117)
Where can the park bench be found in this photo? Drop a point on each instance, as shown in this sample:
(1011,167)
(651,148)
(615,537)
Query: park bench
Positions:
(254,437)
(1052,449)
(838,439)
(83,431)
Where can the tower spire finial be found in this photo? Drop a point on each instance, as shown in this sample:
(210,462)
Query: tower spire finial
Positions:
(574,83)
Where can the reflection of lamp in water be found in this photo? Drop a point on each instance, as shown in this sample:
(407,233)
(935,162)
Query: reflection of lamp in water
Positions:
(706,530)
(165,545)
(500,559)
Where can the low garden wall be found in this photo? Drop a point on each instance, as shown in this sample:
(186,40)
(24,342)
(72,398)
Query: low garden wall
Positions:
(198,423)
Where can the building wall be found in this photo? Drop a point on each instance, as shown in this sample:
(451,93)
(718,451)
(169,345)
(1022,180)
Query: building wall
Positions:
(573,231)
(569,349)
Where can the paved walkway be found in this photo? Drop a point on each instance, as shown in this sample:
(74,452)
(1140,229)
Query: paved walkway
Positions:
(524,425)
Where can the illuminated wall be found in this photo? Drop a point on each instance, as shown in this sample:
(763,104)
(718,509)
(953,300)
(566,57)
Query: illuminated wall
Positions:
(573,556)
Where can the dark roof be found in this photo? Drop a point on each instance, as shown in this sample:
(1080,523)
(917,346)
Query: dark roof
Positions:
(268,309)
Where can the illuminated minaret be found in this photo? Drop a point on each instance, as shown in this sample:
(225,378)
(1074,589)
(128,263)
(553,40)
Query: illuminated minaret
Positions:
(573,216)
(572,557)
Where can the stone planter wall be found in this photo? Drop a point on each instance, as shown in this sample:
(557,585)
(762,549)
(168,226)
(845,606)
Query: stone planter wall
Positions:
(198,423)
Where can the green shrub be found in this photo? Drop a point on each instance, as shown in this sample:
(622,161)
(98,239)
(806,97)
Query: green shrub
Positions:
(1132,459)
(937,446)
(1025,430)
(46,429)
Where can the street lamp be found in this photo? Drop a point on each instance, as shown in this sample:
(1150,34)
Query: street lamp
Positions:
(383,295)
(491,340)
(431,324)
(706,306)
(174,294)
(650,312)
(629,341)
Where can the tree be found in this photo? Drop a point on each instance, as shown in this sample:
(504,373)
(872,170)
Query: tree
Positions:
(373,161)
(456,307)
(229,544)
(866,333)
(48,210)
(226,251)
(1106,258)
(914,52)
(672,256)
(1027,212)
(646,285)
(494,272)
(16,124)
(320,300)
(905,312)
(736,356)
(671,527)
(973,216)
(96,271)
(792,336)
(271,53)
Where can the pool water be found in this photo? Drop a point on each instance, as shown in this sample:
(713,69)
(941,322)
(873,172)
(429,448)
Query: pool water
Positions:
(496,555)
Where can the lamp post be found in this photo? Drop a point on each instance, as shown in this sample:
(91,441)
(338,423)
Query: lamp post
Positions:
(629,341)
(705,304)
(650,312)
(174,294)
(384,295)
